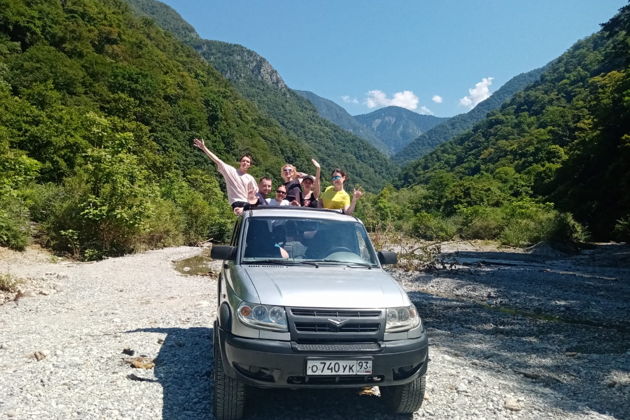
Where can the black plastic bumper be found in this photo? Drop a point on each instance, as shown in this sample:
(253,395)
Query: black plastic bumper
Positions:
(280,364)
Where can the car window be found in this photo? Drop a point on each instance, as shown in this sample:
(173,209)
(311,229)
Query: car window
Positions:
(303,239)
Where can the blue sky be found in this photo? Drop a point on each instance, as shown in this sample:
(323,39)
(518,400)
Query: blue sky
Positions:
(439,57)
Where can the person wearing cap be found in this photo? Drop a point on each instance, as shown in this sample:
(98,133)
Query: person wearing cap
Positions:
(335,197)
(293,182)
(311,187)
(241,186)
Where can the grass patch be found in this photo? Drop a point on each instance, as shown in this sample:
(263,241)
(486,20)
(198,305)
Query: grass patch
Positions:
(9,283)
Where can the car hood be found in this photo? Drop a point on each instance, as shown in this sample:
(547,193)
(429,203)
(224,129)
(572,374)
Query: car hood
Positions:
(325,287)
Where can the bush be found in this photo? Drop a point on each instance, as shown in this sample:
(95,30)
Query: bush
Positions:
(480,222)
(567,229)
(432,227)
(622,229)
(14,223)
(527,223)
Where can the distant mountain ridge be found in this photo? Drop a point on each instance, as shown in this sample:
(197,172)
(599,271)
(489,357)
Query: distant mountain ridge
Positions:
(256,80)
(396,126)
(338,115)
(458,124)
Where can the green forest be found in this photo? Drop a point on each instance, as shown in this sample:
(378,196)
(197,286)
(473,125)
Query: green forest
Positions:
(99,106)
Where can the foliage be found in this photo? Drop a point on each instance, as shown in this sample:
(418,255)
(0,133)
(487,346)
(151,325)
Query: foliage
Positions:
(299,132)
(563,140)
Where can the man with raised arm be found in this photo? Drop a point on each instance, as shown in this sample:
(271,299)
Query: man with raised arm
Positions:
(240,185)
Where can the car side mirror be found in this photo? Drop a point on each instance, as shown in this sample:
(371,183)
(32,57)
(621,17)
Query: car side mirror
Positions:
(387,257)
(223,252)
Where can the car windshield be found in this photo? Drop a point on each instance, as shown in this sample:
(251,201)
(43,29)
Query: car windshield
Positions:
(304,240)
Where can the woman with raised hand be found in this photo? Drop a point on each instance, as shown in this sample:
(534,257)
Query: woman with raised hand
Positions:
(240,185)
(335,197)
(291,178)
(311,187)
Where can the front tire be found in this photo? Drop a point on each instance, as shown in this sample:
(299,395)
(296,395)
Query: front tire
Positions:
(229,393)
(407,398)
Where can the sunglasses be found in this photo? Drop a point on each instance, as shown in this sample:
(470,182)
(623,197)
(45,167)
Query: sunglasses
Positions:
(336,177)
(288,170)
(281,192)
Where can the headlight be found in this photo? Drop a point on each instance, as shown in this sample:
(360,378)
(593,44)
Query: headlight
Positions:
(262,316)
(402,319)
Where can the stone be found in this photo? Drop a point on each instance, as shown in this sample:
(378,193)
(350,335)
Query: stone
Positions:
(512,404)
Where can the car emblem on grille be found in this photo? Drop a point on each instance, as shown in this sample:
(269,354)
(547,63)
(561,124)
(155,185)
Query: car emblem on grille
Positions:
(337,322)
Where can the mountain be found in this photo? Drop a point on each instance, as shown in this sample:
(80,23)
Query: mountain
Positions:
(462,122)
(98,109)
(562,140)
(256,80)
(338,115)
(397,127)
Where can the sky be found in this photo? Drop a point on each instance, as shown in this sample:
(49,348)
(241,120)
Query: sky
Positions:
(437,57)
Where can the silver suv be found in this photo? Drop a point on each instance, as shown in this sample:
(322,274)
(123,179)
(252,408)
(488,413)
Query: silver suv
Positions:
(303,302)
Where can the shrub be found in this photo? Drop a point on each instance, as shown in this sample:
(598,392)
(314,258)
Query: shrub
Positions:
(622,229)
(14,223)
(432,227)
(527,223)
(480,222)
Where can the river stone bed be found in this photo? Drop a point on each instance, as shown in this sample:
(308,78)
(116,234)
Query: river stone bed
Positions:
(511,337)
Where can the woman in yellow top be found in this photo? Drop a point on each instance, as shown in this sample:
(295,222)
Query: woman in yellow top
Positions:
(335,197)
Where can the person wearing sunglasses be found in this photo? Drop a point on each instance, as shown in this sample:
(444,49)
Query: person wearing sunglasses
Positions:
(293,181)
(241,186)
(280,198)
(335,197)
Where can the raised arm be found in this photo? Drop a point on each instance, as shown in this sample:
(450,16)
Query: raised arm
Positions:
(355,196)
(199,143)
(317,189)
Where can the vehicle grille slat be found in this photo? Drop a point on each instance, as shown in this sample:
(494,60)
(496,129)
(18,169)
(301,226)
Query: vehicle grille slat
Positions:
(325,325)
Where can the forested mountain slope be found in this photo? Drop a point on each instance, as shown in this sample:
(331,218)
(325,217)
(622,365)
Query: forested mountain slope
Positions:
(456,125)
(257,81)
(565,140)
(98,109)
(397,127)
(338,115)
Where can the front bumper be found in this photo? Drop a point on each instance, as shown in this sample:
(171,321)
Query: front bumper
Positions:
(282,364)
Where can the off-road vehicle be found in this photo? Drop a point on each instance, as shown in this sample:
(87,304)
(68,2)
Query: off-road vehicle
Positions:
(303,302)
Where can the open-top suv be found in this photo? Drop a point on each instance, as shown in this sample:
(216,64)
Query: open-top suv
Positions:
(303,302)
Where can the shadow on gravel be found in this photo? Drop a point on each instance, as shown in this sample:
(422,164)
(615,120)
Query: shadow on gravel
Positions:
(560,321)
(578,363)
(184,368)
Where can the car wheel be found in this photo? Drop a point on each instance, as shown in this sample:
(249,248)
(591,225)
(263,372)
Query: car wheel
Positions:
(405,399)
(229,393)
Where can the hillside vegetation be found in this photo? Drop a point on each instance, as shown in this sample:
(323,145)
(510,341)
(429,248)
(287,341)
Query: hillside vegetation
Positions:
(98,109)
(552,162)
(255,79)
(454,126)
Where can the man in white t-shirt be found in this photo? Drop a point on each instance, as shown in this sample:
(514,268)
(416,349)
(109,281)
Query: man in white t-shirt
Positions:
(241,186)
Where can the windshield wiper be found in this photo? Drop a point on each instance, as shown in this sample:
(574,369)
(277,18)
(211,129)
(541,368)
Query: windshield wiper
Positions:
(281,262)
(347,263)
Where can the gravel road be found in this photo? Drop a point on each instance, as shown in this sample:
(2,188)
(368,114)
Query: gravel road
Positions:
(513,335)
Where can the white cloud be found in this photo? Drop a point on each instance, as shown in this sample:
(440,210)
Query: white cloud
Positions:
(480,92)
(347,99)
(437,99)
(405,99)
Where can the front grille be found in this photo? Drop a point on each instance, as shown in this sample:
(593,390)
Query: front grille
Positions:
(326,325)
(335,313)
(336,348)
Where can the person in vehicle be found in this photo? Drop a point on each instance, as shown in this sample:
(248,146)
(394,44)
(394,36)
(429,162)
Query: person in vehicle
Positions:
(280,198)
(238,182)
(311,187)
(293,182)
(256,199)
(335,197)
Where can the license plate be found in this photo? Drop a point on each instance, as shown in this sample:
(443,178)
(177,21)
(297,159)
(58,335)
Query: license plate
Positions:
(338,367)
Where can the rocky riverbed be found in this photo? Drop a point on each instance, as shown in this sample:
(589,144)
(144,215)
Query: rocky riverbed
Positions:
(513,334)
